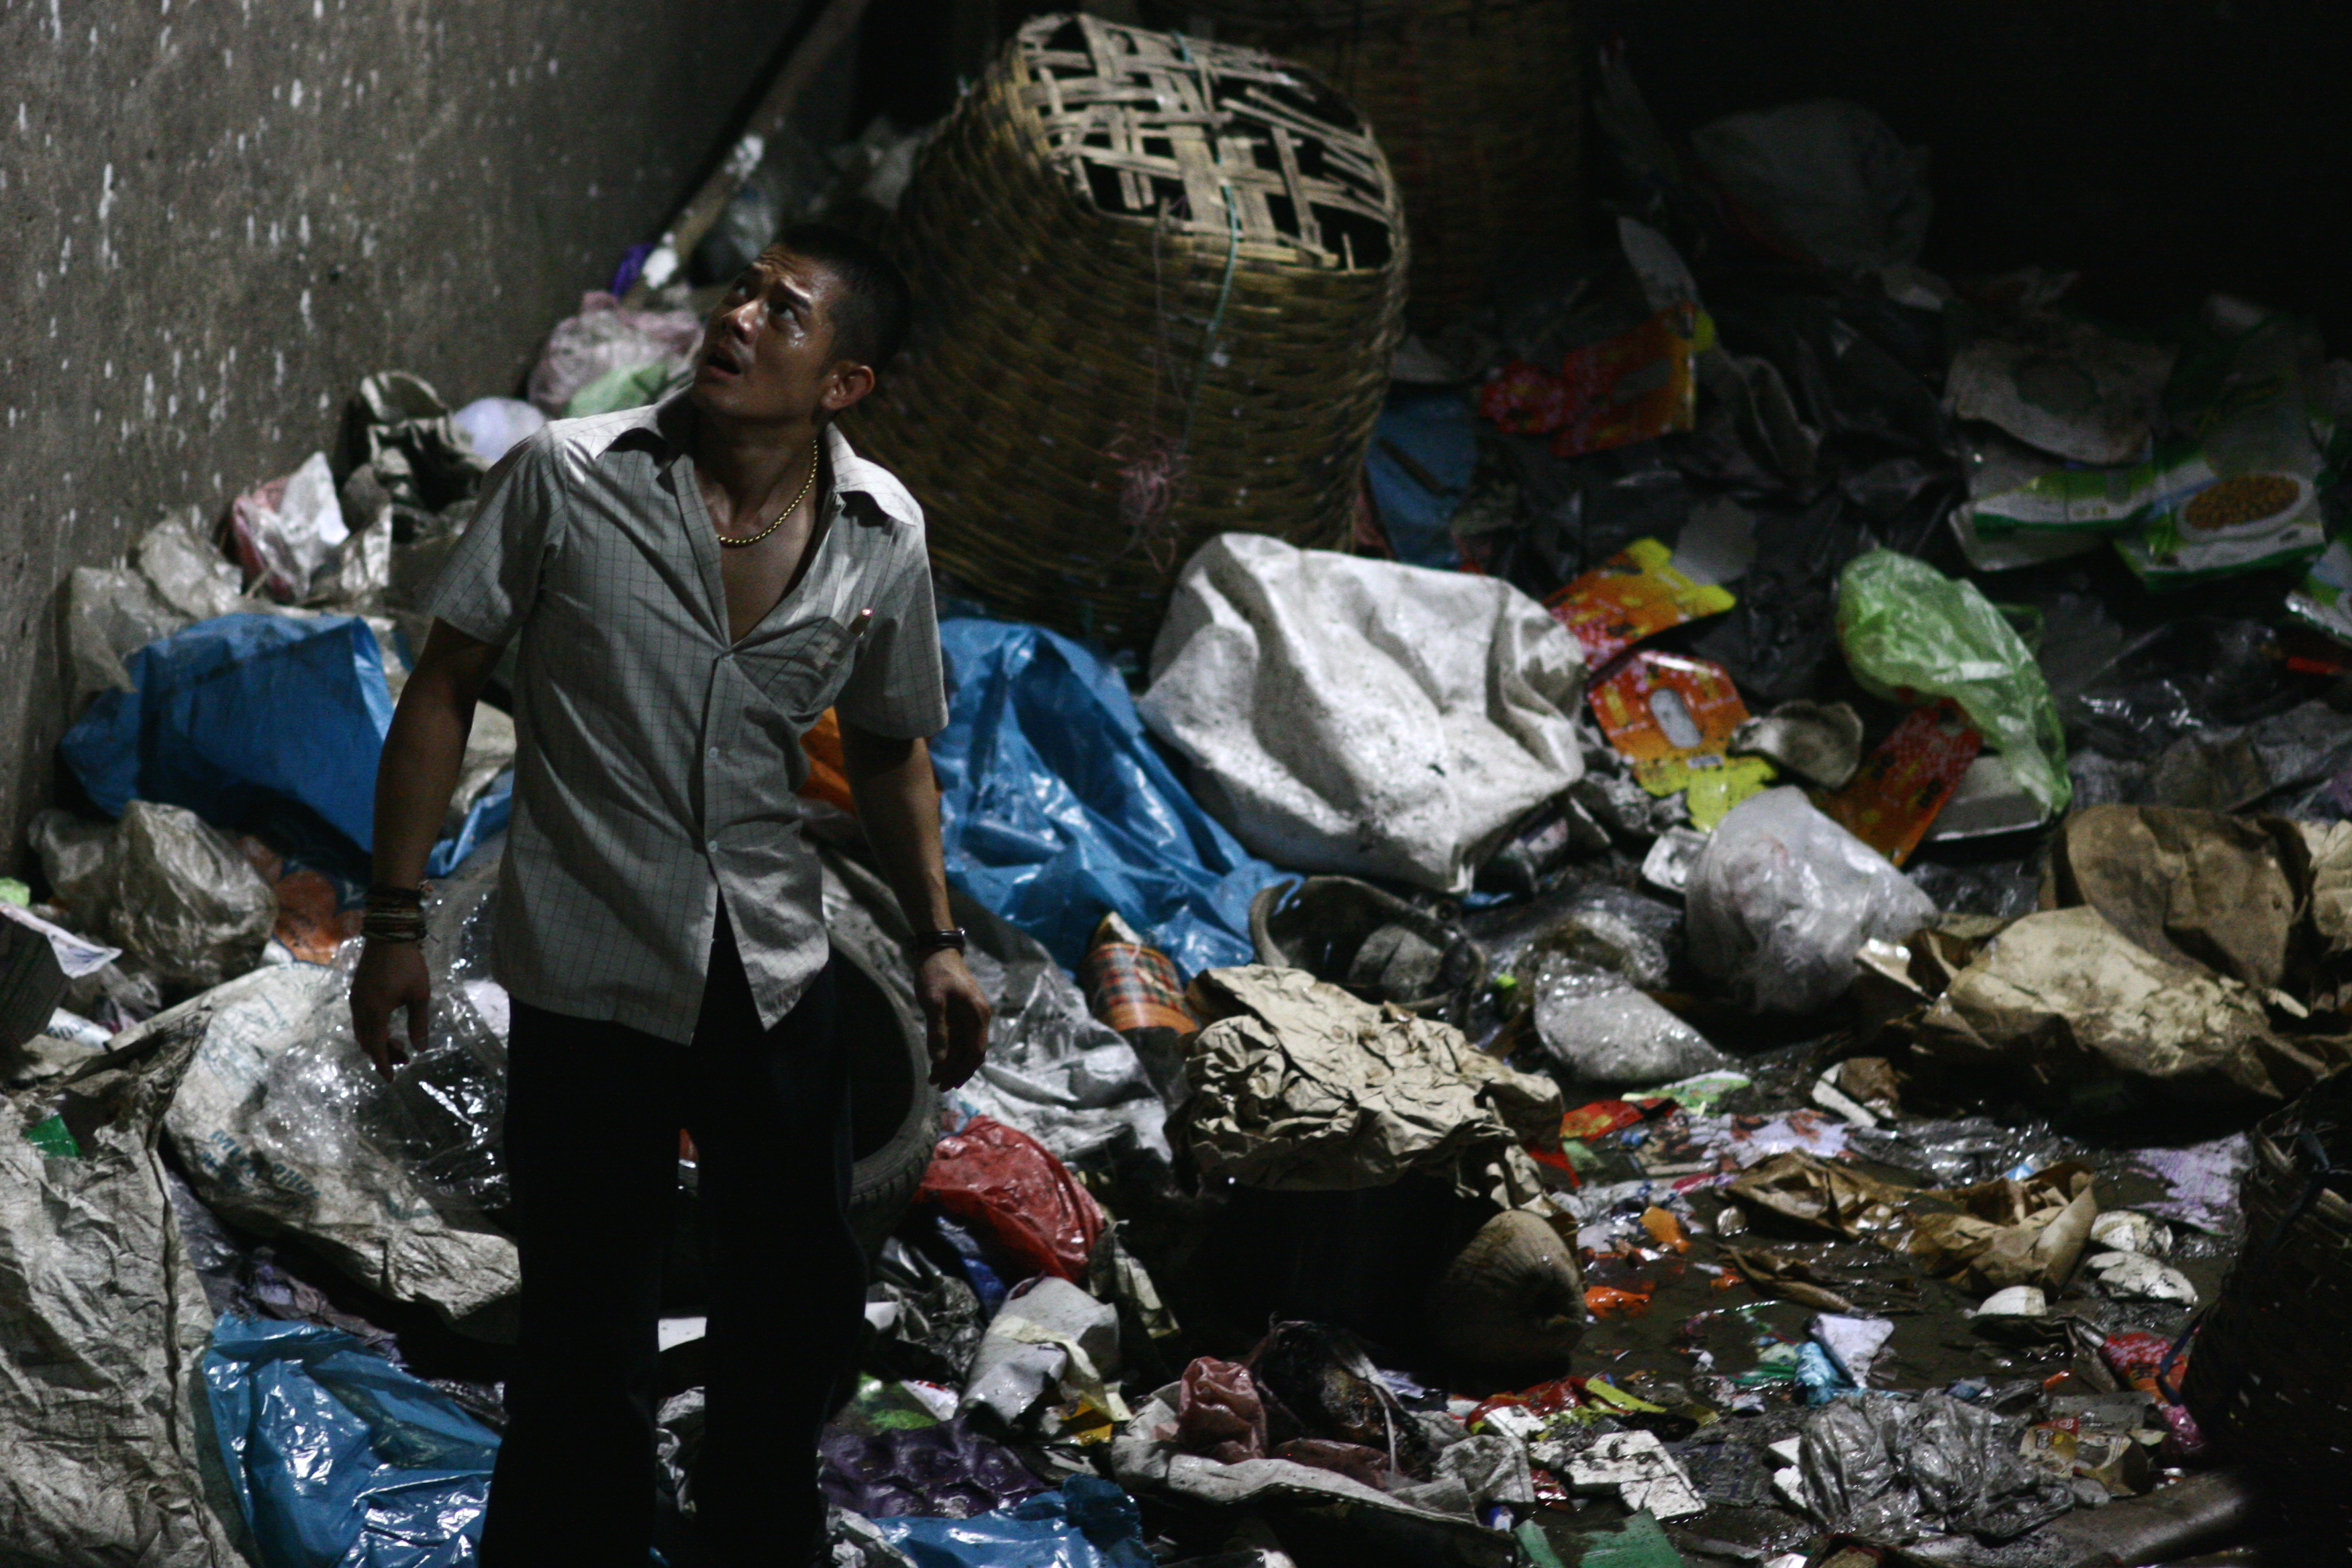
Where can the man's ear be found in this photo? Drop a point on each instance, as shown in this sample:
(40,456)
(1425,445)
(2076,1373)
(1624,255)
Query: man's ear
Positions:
(846,386)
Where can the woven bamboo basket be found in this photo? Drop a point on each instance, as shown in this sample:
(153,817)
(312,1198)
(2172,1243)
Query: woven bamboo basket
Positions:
(2269,1377)
(1158,285)
(1476,103)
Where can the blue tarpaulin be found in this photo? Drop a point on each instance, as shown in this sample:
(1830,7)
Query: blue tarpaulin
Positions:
(1057,809)
(1425,453)
(232,716)
(339,1459)
(1088,1523)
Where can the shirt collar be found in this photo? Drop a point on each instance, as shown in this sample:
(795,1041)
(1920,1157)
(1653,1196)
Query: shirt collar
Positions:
(662,428)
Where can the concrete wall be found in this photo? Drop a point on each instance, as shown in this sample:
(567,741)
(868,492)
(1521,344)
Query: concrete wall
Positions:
(216,215)
(2168,148)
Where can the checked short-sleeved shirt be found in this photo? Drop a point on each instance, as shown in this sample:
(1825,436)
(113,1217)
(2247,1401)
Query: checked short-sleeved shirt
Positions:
(656,762)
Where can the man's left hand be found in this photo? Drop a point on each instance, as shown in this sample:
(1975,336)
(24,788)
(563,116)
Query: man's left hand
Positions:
(955,1017)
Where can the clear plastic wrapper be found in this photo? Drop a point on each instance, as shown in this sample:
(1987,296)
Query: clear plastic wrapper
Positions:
(283,1126)
(1599,1027)
(1782,898)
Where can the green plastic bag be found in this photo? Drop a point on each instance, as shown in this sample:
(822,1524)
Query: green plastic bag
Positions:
(632,386)
(1910,634)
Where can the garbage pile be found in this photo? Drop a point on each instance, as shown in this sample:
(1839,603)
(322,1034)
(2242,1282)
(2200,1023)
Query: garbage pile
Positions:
(1698,1002)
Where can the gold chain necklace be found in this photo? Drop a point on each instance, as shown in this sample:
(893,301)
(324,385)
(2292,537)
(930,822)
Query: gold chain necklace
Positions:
(735,542)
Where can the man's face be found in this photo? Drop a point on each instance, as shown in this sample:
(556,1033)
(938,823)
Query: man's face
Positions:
(767,351)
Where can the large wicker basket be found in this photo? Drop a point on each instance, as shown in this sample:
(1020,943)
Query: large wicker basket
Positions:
(2269,1379)
(1476,103)
(1158,285)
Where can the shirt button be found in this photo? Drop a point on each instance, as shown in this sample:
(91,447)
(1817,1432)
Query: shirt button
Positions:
(713,750)
(711,845)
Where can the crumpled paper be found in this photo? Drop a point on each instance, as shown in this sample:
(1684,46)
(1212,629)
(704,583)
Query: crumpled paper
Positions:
(1827,1196)
(2187,948)
(1345,714)
(2010,1231)
(2194,887)
(110,1455)
(1298,1085)
(1987,1236)
(2065,998)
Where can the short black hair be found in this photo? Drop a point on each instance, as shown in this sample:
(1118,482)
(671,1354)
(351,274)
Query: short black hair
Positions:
(870,323)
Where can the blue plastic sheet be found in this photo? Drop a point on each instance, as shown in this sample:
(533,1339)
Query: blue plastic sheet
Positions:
(233,716)
(1057,809)
(1088,1523)
(339,1459)
(1425,452)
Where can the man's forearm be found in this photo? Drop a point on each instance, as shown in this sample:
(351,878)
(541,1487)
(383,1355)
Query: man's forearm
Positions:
(898,803)
(425,753)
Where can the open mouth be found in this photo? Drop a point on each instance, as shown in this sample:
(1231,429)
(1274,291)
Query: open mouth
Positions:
(718,362)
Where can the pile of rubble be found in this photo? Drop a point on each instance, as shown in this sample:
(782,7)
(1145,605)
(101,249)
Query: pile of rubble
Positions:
(1701,1002)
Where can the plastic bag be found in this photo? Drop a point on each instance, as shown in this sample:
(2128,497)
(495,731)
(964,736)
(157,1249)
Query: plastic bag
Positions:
(1358,716)
(1599,1027)
(339,1456)
(1878,1466)
(946,1471)
(494,426)
(1782,898)
(1056,809)
(109,613)
(1087,1523)
(605,337)
(1910,634)
(178,895)
(232,716)
(1050,1340)
(1829,180)
(282,1125)
(285,531)
(397,427)
(1009,1183)
(1053,1071)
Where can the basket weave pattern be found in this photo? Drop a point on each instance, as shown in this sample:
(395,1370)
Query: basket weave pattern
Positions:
(2269,1378)
(1478,104)
(1158,284)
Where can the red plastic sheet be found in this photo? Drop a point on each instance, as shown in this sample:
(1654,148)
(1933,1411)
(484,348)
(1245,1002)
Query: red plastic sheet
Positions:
(1013,1187)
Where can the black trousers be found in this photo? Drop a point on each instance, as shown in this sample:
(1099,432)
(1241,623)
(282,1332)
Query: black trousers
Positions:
(592,1115)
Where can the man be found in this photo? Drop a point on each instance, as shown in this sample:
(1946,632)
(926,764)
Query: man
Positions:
(688,588)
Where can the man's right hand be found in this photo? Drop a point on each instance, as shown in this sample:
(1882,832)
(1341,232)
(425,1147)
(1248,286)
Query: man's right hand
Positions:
(390,976)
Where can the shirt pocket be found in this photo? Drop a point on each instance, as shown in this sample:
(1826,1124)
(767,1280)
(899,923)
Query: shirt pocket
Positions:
(801,670)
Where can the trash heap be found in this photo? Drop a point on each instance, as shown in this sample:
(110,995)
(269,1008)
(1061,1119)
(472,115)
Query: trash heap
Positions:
(1704,997)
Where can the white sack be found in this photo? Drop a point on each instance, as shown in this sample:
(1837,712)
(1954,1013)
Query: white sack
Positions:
(1782,898)
(1350,715)
(106,1455)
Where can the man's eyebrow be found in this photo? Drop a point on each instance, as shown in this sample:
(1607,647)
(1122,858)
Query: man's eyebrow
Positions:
(798,298)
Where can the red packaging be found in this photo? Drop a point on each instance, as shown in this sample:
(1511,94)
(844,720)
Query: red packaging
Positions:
(1013,1187)
(1892,800)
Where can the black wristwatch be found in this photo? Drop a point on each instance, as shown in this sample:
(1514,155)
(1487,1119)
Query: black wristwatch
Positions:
(930,941)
